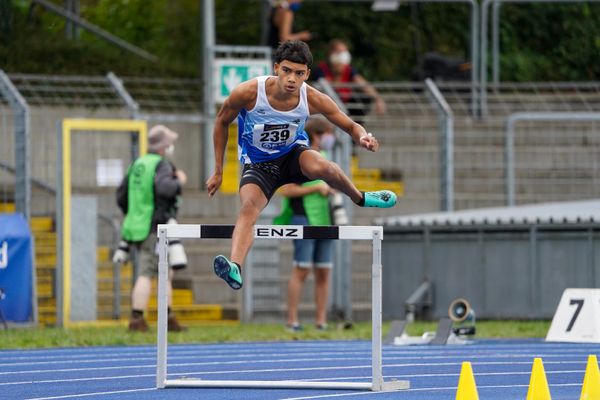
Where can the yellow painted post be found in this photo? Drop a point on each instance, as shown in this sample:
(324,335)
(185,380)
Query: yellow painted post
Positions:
(231,168)
(69,126)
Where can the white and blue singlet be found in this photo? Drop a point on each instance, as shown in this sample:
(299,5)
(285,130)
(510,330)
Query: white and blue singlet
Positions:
(265,133)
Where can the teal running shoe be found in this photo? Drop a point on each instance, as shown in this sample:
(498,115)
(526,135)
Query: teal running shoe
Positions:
(294,328)
(228,271)
(381,199)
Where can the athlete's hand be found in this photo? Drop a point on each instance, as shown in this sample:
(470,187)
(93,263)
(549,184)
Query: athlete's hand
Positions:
(213,183)
(369,142)
(324,189)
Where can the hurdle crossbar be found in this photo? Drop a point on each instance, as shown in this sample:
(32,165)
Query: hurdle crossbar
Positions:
(191,231)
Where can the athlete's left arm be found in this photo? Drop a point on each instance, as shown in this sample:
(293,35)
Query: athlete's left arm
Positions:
(320,103)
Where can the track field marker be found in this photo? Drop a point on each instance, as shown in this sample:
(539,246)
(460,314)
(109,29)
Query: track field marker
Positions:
(538,385)
(467,389)
(591,381)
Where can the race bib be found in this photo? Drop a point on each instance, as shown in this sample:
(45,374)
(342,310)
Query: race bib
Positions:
(272,137)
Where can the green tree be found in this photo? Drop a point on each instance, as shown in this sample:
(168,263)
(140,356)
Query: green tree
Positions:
(538,41)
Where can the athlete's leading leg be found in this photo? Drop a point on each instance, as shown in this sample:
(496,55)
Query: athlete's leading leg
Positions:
(315,166)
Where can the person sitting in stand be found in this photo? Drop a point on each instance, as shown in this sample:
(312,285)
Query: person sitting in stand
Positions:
(339,71)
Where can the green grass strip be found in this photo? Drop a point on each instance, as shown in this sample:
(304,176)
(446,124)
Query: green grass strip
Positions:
(31,338)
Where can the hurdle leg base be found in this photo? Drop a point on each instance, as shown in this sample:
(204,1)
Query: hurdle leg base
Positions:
(395,385)
(288,384)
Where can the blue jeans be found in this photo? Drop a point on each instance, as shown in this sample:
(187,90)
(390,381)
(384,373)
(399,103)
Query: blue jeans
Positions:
(309,252)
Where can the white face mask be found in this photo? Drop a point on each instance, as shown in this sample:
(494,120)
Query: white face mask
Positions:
(170,150)
(327,141)
(342,57)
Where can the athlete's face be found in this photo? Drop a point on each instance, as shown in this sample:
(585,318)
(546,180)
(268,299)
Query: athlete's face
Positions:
(291,75)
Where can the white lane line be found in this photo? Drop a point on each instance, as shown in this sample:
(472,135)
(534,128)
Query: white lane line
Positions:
(315,397)
(356,356)
(265,370)
(547,361)
(290,360)
(324,396)
(70,396)
(261,347)
(302,398)
(205,347)
(98,378)
(200,350)
(250,346)
(440,375)
(171,357)
(172,365)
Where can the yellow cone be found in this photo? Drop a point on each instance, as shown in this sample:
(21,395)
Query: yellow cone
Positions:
(538,385)
(591,381)
(467,390)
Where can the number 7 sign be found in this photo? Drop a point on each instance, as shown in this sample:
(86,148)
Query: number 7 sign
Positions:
(577,317)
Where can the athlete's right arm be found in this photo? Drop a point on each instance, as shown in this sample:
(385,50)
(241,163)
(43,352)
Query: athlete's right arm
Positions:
(241,97)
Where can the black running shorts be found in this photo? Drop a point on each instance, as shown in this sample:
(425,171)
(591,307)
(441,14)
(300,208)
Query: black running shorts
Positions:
(270,175)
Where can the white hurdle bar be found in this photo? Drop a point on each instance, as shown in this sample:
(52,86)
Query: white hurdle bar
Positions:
(190,231)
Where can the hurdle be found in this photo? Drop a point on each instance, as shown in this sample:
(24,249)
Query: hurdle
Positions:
(192,231)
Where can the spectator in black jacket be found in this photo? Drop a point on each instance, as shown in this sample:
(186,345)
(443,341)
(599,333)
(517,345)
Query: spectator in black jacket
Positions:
(148,196)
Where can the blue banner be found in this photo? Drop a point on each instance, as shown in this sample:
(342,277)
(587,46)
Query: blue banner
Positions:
(16,277)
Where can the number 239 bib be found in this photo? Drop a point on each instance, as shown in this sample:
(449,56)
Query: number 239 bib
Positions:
(273,137)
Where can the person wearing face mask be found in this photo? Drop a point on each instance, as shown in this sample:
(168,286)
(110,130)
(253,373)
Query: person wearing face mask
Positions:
(339,71)
(308,204)
(281,23)
(149,195)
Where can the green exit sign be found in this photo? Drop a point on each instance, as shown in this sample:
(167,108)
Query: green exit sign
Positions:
(229,73)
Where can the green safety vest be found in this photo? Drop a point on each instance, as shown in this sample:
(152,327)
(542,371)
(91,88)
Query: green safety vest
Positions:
(316,207)
(140,198)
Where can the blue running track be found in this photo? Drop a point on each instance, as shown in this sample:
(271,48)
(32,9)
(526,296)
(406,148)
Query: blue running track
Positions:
(502,370)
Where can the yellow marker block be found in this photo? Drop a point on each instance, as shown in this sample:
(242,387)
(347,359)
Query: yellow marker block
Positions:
(591,381)
(538,385)
(467,390)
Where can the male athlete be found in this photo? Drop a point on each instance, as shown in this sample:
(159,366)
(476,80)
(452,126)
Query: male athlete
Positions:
(274,147)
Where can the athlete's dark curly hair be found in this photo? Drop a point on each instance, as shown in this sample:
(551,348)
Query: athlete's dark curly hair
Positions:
(295,51)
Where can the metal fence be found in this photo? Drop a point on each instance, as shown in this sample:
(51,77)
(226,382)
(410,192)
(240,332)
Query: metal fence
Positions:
(50,99)
(413,148)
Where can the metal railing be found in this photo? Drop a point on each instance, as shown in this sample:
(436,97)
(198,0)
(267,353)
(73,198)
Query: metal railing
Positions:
(446,117)
(571,180)
(410,133)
